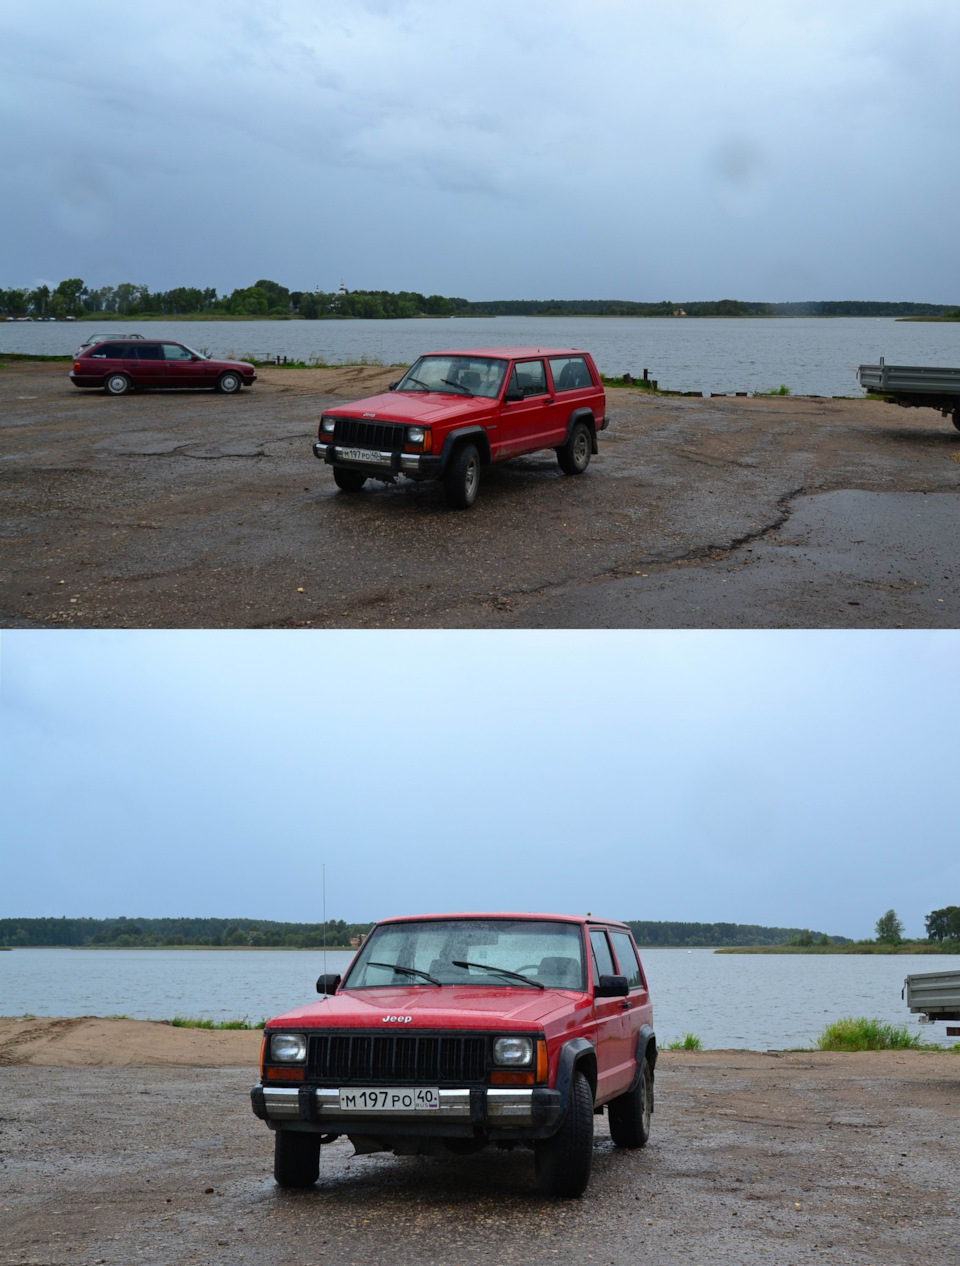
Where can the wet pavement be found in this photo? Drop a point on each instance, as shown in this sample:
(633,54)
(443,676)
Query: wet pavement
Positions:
(187,509)
(753,1158)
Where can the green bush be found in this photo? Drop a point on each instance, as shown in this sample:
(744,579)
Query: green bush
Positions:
(689,1042)
(187,1022)
(856,1033)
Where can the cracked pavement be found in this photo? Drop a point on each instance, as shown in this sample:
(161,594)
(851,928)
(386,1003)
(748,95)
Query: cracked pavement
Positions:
(181,509)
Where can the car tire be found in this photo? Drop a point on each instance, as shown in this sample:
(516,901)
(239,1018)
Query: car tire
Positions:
(229,383)
(956,418)
(348,480)
(117,384)
(461,479)
(296,1158)
(563,1161)
(630,1113)
(574,456)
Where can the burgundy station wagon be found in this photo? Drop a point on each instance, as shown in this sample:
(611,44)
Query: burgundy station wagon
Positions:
(454,412)
(119,366)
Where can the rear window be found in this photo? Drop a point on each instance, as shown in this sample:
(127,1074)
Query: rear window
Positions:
(570,373)
(627,958)
(109,351)
(145,351)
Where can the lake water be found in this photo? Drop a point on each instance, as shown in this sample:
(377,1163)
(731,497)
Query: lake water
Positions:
(756,1002)
(811,356)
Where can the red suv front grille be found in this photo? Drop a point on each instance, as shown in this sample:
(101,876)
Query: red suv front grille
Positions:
(397,1058)
(385,437)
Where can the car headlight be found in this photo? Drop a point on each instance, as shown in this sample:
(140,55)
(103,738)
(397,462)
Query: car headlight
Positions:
(415,434)
(513,1052)
(327,425)
(288,1048)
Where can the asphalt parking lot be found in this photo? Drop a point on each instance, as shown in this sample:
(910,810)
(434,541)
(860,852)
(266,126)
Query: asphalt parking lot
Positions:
(184,509)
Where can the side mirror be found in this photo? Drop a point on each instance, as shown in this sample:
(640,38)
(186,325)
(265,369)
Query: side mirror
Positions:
(612,987)
(330,983)
(513,395)
(392,386)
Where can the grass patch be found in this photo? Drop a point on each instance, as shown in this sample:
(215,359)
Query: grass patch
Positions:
(856,1033)
(782,390)
(631,383)
(689,1042)
(190,1022)
(28,356)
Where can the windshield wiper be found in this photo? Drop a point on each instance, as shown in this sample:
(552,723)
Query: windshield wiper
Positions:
(424,385)
(458,385)
(501,971)
(411,971)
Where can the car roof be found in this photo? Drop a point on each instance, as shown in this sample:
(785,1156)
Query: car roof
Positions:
(509,353)
(508,914)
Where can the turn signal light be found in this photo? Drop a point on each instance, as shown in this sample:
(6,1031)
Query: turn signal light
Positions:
(511,1079)
(285,1074)
(543,1068)
(263,1052)
(76,367)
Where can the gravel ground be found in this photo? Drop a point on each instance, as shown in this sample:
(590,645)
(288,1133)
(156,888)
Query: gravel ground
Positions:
(789,1158)
(183,509)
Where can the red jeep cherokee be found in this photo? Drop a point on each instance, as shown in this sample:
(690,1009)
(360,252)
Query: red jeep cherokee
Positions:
(453,412)
(450,1032)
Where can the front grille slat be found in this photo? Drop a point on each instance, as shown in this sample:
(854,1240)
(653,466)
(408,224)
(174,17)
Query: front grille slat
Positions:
(430,1058)
(384,437)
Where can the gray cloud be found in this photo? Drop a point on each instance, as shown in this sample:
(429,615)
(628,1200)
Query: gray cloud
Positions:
(579,149)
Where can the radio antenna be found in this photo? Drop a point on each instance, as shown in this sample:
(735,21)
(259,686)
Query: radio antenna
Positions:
(324,899)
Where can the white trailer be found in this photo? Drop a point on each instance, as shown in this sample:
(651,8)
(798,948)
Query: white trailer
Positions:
(934,995)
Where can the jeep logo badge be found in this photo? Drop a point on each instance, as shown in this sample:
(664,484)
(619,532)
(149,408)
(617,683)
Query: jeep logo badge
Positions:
(397,1019)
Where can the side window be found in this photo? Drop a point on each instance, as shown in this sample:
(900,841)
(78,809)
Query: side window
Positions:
(627,958)
(146,351)
(173,351)
(109,351)
(602,958)
(570,372)
(531,377)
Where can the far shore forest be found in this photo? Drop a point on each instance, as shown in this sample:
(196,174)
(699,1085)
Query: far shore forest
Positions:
(266,300)
(942,927)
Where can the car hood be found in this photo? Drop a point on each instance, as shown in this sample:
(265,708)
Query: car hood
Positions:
(417,407)
(450,1007)
(232,364)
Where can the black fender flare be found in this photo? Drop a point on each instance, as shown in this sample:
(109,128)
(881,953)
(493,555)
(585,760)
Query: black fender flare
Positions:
(646,1050)
(583,415)
(574,1053)
(476,433)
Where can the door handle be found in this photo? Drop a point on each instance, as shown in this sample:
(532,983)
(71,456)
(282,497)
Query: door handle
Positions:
(626,1005)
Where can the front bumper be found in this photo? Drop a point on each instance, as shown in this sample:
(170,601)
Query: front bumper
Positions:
(381,465)
(503,1112)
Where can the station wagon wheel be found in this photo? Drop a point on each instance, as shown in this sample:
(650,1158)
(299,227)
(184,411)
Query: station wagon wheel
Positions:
(461,482)
(956,418)
(630,1113)
(117,385)
(348,480)
(296,1158)
(563,1161)
(574,456)
(229,383)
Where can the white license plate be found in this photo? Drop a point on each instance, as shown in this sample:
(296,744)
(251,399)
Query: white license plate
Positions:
(361,455)
(391,1099)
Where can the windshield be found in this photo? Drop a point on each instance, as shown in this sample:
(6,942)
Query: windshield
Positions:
(455,375)
(426,952)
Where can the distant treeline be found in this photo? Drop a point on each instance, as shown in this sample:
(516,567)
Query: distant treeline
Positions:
(34,933)
(73,298)
(721,934)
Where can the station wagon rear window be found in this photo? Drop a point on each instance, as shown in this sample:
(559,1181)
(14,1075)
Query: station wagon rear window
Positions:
(426,952)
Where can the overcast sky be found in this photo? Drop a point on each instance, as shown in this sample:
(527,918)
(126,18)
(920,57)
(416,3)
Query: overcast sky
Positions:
(792,779)
(643,149)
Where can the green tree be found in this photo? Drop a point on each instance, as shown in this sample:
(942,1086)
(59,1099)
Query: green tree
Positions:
(39,300)
(943,924)
(889,928)
(69,292)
